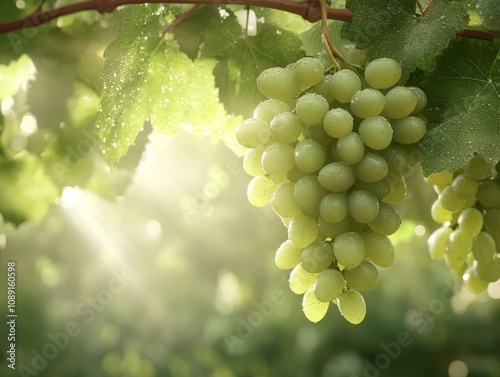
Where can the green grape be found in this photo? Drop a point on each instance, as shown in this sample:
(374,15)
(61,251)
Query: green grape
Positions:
(489,272)
(268,109)
(400,102)
(336,176)
(379,249)
(408,130)
(300,280)
(350,148)
(397,158)
(286,221)
(252,164)
(282,201)
(456,263)
(314,309)
(367,103)
(302,230)
(309,71)
(344,84)
(365,277)
(319,135)
(338,122)
(440,214)
(349,249)
(488,194)
(387,221)
(379,188)
(260,191)
(474,284)
(253,133)
(483,248)
(328,285)
(477,168)
(363,206)
(278,179)
(333,207)
(382,73)
(287,256)
(398,189)
(310,156)
(323,88)
(286,127)
(295,174)
(332,230)
(421,99)
(278,159)
(442,179)
(465,186)
(352,306)
(470,221)
(459,244)
(437,242)
(311,108)
(450,200)
(307,195)
(376,132)
(353,55)
(371,168)
(277,83)
(491,221)
(317,256)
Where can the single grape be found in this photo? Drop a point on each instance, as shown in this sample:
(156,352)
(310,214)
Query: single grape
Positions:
(459,244)
(309,71)
(421,99)
(336,176)
(323,88)
(333,207)
(382,73)
(350,148)
(302,230)
(387,221)
(278,158)
(474,284)
(332,230)
(398,189)
(442,179)
(379,249)
(282,201)
(268,109)
(353,55)
(253,133)
(437,242)
(408,130)
(470,221)
(488,194)
(286,127)
(349,249)
(379,188)
(277,83)
(450,200)
(317,256)
(307,195)
(363,206)
(465,186)
(314,309)
(371,168)
(376,132)
(352,306)
(477,168)
(491,221)
(440,214)
(483,248)
(311,108)
(328,285)
(300,280)
(310,156)
(338,122)
(252,162)
(364,277)
(344,84)
(397,158)
(488,271)
(400,102)
(367,103)
(287,256)
(260,191)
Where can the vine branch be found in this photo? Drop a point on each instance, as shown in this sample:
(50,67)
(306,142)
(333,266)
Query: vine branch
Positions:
(307,9)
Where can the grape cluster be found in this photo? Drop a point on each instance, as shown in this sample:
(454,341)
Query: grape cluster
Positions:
(468,206)
(329,152)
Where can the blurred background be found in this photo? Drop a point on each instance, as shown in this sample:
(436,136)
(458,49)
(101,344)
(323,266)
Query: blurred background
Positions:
(160,266)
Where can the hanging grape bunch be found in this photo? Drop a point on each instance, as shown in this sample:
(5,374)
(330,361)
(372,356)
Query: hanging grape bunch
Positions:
(329,152)
(468,206)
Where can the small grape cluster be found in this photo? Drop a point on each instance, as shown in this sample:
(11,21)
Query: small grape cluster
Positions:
(329,152)
(468,206)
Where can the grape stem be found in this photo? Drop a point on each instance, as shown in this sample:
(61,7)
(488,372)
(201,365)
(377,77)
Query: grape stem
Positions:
(179,19)
(307,9)
(327,40)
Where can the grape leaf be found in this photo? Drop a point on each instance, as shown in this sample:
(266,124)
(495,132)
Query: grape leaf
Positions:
(241,58)
(465,87)
(15,75)
(489,10)
(147,77)
(311,38)
(392,30)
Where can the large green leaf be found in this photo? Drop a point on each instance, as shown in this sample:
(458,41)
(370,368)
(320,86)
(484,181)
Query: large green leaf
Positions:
(391,29)
(489,10)
(15,75)
(465,88)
